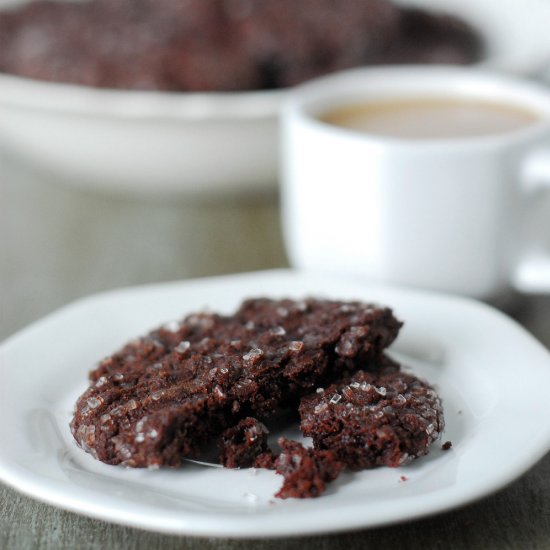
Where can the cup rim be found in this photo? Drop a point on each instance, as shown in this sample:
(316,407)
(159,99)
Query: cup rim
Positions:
(336,89)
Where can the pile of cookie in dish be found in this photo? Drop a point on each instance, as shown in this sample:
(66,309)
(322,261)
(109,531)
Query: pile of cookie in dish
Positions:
(165,397)
(225,45)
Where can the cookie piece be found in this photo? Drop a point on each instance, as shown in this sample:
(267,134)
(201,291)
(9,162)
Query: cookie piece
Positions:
(425,37)
(294,41)
(163,397)
(242,444)
(266,461)
(126,44)
(374,419)
(306,471)
(219,45)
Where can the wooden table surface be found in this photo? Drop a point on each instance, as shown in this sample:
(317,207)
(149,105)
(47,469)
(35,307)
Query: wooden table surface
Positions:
(59,243)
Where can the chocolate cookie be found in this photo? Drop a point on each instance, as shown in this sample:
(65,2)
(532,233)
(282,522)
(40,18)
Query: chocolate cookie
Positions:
(306,471)
(163,397)
(126,44)
(374,418)
(219,45)
(294,41)
(241,445)
(425,37)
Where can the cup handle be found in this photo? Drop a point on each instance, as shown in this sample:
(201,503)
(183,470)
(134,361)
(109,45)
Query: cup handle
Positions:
(532,275)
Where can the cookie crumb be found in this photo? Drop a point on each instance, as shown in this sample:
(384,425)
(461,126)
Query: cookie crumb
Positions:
(446,446)
(306,471)
(243,443)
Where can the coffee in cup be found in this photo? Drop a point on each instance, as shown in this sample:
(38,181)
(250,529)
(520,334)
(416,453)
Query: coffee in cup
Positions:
(443,117)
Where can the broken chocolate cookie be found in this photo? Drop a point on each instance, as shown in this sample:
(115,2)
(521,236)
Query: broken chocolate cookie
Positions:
(164,397)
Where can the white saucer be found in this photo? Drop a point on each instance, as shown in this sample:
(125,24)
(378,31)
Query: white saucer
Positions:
(492,375)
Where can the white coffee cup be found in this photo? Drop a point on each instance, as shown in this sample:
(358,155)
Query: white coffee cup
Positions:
(454,214)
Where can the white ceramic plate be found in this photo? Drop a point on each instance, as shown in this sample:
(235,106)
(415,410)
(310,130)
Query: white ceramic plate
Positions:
(206,143)
(492,376)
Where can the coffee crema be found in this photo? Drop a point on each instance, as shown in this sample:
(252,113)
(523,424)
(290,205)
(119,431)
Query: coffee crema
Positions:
(431,117)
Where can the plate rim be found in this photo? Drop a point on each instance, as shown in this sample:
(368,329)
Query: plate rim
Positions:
(261,525)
